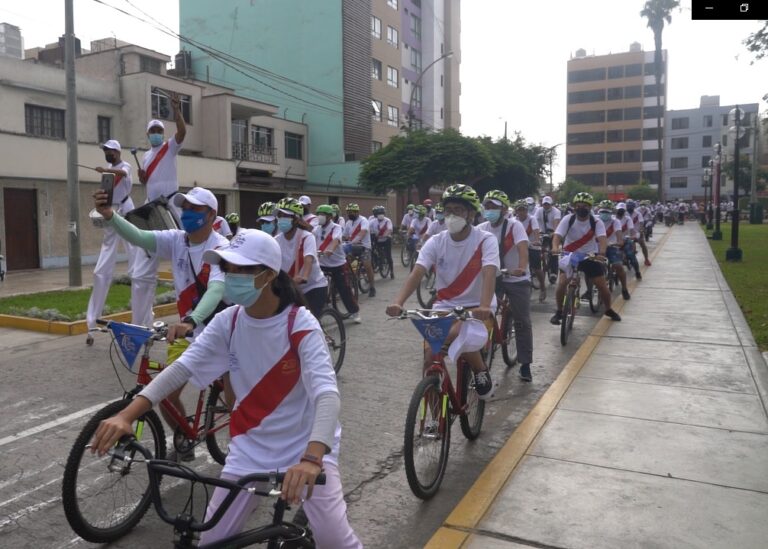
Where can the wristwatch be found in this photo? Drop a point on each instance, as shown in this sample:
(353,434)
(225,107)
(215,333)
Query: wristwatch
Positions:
(189,320)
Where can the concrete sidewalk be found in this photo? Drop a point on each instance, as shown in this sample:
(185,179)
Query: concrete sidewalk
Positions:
(656,435)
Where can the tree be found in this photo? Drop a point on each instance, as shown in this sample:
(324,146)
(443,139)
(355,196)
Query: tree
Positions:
(658,12)
(568,189)
(642,191)
(745,174)
(518,167)
(422,159)
(757,42)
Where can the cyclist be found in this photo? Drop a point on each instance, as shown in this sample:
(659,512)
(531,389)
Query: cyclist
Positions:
(417,232)
(467,261)
(266,219)
(221,226)
(233,218)
(581,232)
(307,217)
(548,216)
(512,241)
(405,224)
(381,228)
(340,221)
(638,220)
(438,225)
(199,286)
(628,231)
(333,262)
(300,254)
(428,206)
(534,245)
(649,218)
(614,241)
(275,352)
(356,233)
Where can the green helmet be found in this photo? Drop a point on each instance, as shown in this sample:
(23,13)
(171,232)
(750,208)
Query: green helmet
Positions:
(267,209)
(233,218)
(439,208)
(501,196)
(521,204)
(583,197)
(410,207)
(606,205)
(335,208)
(291,205)
(462,193)
(353,207)
(421,210)
(325,209)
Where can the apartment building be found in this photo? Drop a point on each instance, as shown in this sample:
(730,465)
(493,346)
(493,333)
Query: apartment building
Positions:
(11,42)
(691,137)
(612,119)
(234,145)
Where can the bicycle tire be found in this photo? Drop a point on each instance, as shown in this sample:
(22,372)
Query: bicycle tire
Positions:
(567,313)
(471,420)
(426,401)
(425,290)
(594,298)
(216,413)
(535,285)
(508,342)
(362,278)
(72,496)
(351,282)
(384,268)
(404,259)
(335,336)
(575,303)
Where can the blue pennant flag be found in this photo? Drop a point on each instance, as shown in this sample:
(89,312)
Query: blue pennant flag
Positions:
(434,330)
(130,339)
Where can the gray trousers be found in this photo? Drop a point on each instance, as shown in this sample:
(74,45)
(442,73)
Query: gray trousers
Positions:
(519,294)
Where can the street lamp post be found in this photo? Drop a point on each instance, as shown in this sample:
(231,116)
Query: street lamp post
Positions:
(717,234)
(734,252)
(708,205)
(705,185)
(416,85)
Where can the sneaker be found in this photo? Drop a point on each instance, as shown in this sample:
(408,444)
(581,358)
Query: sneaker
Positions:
(89,339)
(483,385)
(625,294)
(525,372)
(372,292)
(556,318)
(613,315)
(542,295)
(638,275)
(355,317)
(178,457)
(647,262)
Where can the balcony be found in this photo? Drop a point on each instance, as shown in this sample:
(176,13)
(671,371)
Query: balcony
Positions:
(254,153)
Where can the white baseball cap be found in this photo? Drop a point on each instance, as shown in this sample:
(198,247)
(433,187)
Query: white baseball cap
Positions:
(546,200)
(248,247)
(112,144)
(197,196)
(529,200)
(155,123)
(621,206)
(305,200)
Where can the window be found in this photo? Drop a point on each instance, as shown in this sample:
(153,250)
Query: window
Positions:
(588,96)
(239,130)
(633,70)
(679,142)
(653,112)
(294,145)
(650,155)
(586,117)
(632,113)
(441,80)
(613,157)
(678,163)
(586,158)
(705,160)
(441,113)
(725,120)
(587,75)
(615,93)
(632,135)
(616,72)
(375,146)
(586,138)
(706,140)
(613,136)
(375,69)
(724,140)
(416,26)
(393,116)
(392,3)
(651,134)
(416,3)
(161,105)
(649,90)
(392,37)
(416,96)
(416,59)
(680,182)
(632,92)
(707,121)
(615,115)
(393,77)
(375,27)
(650,68)
(376,108)
(680,123)
(104,128)
(622,178)
(44,121)
(588,178)
(261,137)
(632,156)
(149,64)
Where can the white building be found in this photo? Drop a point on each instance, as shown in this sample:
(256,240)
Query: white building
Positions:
(11,42)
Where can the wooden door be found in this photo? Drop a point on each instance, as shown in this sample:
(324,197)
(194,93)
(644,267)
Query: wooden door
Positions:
(21,249)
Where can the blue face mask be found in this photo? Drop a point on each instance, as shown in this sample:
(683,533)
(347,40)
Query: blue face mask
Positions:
(284,224)
(605,216)
(268,228)
(240,288)
(440,216)
(492,215)
(192,220)
(155,139)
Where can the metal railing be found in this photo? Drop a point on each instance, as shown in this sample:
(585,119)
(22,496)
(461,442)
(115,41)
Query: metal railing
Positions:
(254,153)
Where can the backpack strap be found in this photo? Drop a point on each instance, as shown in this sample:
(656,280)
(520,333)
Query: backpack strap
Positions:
(501,243)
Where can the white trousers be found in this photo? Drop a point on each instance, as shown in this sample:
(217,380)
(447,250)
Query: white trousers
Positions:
(144,283)
(103,272)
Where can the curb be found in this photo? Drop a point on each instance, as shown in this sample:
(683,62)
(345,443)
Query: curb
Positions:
(463,520)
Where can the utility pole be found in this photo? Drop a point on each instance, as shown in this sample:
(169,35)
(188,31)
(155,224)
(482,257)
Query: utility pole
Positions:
(70,127)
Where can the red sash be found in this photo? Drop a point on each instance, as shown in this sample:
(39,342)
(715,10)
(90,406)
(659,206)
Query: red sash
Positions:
(273,388)
(424,228)
(624,226)
(355,231)
(327,241)
(609,231)
(509,240)
(299,261)
(156,160)
(465,278)
(382,229)
(188,297)
(118,179)
(529,228)
(573,246)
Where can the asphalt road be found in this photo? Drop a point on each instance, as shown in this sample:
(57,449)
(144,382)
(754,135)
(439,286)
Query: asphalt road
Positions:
(51,385)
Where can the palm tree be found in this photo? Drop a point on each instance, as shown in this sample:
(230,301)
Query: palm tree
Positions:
(657,12)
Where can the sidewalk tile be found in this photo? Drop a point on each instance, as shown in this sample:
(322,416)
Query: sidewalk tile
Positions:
(652,350)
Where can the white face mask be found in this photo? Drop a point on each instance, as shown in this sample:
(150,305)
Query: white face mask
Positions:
(455,223)
(321,219)
(380,217)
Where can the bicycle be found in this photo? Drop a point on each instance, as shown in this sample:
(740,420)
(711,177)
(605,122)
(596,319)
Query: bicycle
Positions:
(379,262)
(572,299)
(357,269)
(425,291)
(102,504)
(278,534)
(435,403)
(332,324)
(548,259)
(506,329)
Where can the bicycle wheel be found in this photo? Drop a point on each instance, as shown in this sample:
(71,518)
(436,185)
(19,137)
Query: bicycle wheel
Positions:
(425,290)
(471,420)
(103,504)
(362,278)
(351,281)
(508,344)
(427,438)
(574,307)
(594,298)
(535,283)
(217,423)
(404,256)
(384,268)
(567,314)
(335,336)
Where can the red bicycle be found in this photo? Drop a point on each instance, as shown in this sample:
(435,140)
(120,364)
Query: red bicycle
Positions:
(103,502)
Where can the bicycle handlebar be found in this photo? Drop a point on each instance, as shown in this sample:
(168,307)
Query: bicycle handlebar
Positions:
(425,314)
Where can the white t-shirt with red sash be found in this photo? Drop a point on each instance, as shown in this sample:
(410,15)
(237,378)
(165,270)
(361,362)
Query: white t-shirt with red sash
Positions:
(324,237)
(627,227)
(612,230)
(295,251)
(275,380)
(436,227)
(174,245)
(381,230)
(420,226)
(160,164)
(458,267)
(581,237)
(221,226)
(121,191)
(514,235)
(353,230)
(638,221)
(530,224)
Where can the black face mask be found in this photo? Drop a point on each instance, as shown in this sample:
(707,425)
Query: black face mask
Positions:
(352,217)
(630,210)
(582,212)
(109,158)
(620,213)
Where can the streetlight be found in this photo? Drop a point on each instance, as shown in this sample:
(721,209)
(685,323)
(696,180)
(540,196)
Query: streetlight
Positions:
(706,184)
(708,205)
(416,85)
(717,234)
(736,132)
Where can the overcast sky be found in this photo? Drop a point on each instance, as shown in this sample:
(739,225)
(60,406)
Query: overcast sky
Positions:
(514,53)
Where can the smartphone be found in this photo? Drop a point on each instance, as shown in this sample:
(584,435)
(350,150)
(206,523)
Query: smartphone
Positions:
(108,185)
